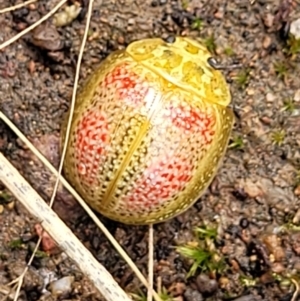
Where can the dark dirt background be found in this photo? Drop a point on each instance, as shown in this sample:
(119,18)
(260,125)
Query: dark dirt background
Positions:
(254,200)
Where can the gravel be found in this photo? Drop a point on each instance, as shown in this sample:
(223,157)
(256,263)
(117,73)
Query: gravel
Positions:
(254,200)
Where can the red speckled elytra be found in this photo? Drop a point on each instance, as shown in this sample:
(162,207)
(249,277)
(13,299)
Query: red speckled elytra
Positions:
(149,130)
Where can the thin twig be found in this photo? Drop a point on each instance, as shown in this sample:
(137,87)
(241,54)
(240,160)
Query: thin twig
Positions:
(80,55)
(297,288)
(15,7)
(150,263)
(31,27)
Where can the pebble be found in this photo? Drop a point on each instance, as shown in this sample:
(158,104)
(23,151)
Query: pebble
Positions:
(62,286)
(11,205)
(244,223)
(296,218)
(162,2)
(295,28)
(297,190)
(250,91)
(267,42)
(273,244)
(270,97)
(47,37)
(297,95)
(206,285)
(268,20)
(192,295)
(67,15)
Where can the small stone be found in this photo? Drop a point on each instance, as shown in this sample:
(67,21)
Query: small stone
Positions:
(206,285)
(192,295)
(131,21)
(67,15)
(267,42)
(278,268)
(244,223)
(219,15)
(297,190)
(48,244)
(223,282)
(270,97)
(252,189)
(295,241)
(296,218)
(162,2)
(121,40)
(273,244)
(297,95)
(47,37)
(1,209)
(250,91)
(11,205)
(62,286)
(295,28)
(267,278)
(268,20)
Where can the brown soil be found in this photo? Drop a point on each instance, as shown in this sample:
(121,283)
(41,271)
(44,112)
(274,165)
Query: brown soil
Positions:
(254,200)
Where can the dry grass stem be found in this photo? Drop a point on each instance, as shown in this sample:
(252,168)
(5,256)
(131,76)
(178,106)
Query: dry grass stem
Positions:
(150,263)
(17,6)
(60,233)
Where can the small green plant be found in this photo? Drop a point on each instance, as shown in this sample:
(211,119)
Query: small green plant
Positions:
(206,233)
(16,244)
(277,137)
(237,143)
(293,45)
(297,178)
(41,254)
(210,44)
(229,51)
(202,252)
(242,78)
(197,24)
(281,69)
(288,105)
(185,4)
(140,296)
(162,293)
(5,198)
(247,281)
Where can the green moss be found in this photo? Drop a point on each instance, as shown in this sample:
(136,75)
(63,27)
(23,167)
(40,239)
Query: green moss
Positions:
(281,69)
(197,24)
(237,143)
(278,137)
(210,44)
(163,294)
(16,244)
(202,253)
(288,105)
(185,4)
(293,46)
(247,281)
(5,198)
(229,51)
(242,78)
